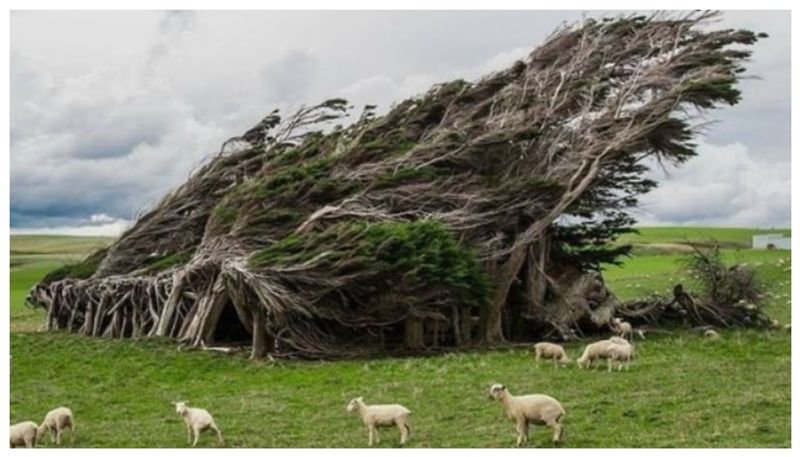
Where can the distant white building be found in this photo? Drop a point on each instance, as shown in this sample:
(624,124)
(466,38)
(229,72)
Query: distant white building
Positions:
(772,241)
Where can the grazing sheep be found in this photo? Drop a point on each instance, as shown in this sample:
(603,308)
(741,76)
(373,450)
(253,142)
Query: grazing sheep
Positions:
(377,416)
(525,410)
(620,354)
(618,340)
(594,351)
(622,328)
(197,420)
(788,328)
(24,434)
(550,351)
(56,421)
(711,334)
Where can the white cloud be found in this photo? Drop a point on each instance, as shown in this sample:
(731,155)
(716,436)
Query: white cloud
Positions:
(723,186)
(97,225)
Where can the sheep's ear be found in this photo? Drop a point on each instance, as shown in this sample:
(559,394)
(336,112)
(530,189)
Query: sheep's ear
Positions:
(360,398)
(502,387)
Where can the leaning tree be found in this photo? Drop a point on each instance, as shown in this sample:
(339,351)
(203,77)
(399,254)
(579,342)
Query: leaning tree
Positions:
(477,212)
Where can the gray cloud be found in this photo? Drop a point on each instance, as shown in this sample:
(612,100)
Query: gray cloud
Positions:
(120,108)
(288,78)
(171,28)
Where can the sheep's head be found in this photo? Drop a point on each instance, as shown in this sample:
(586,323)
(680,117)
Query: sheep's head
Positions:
(180,407)
(497,392)
(355,404)
(582,361)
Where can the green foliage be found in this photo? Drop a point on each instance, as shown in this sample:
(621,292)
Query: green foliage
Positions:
(222,218)
(171,260)
(405,175)
(423,253)
(79,270)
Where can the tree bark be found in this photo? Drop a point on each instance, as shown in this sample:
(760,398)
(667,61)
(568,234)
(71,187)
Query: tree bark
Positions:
(260,340)
(414,334)
(504,276)
(536,280)
(171,304)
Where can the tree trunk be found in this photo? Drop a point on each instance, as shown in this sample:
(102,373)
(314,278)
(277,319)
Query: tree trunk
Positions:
(505,274)
(414,335)
(536,280)
(260,340)
(171,304)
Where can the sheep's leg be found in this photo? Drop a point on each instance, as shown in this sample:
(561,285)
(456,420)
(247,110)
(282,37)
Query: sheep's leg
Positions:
(371,434)
(522,432)
(219,434)
(196,431)
(403,432)
(52,435)
(609,365)
(28,442)
(188,434)
(558,431)
(377,436)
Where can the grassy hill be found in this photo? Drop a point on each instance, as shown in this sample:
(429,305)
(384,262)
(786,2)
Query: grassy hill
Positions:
(682,391)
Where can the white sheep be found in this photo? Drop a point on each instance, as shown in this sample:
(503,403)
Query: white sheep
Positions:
(621,354)
(377,416)
(553,351)
(596,350)
(534,409)
(24,434)
(711,334)
(55,422)
(622,328)
(618,340)
(197,420)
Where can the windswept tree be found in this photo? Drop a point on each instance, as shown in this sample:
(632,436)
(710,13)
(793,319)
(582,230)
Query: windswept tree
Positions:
(475,212)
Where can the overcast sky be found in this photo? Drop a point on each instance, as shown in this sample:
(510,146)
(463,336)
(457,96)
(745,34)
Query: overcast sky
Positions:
(111,109)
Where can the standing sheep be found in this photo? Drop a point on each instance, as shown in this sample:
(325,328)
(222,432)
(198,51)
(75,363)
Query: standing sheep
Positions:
(197,420)
(525,410)
(376,416)
(622,328)
(620,354)
(56,421)
(595,351)
(24,434)
(550,351)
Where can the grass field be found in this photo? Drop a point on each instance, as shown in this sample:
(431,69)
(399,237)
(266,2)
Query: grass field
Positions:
(682,391)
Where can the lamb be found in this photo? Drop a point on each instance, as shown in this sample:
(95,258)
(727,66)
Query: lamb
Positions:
(376,416)
(622,328)
(525,410)
(56,421)
(620,354)
(597,350)
(197,420)
(24,434)
(550,351)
